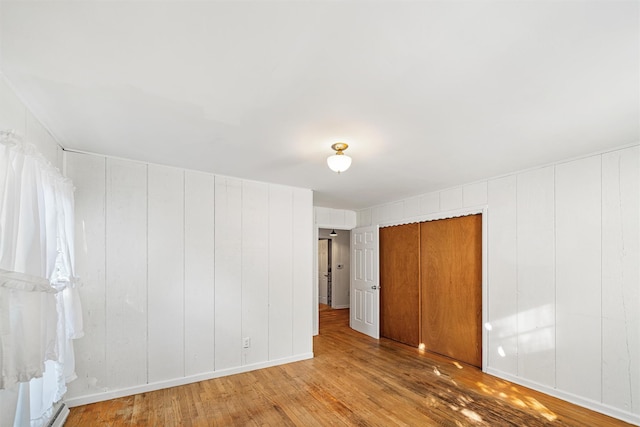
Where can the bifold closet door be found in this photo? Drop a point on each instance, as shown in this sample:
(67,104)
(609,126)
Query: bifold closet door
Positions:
(400,283)
(451,283)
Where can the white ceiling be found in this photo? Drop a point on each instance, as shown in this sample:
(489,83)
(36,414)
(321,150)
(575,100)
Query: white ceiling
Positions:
(429,95)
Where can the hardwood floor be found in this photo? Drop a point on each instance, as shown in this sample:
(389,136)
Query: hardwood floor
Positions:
(352,380)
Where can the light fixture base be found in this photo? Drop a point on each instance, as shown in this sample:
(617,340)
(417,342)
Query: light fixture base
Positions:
(340,146)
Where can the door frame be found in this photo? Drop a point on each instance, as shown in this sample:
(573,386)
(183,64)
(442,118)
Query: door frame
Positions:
(485,245)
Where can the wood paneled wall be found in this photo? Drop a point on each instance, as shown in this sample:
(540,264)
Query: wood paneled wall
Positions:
(563,273)
(178,267)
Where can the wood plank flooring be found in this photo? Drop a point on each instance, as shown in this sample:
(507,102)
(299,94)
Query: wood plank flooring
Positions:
(353,380)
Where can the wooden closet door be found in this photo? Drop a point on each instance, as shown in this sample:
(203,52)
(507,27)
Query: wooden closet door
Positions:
(400,283)
(451,270)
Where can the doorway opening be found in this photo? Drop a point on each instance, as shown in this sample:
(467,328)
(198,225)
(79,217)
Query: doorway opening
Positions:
(324,271)
(334,265)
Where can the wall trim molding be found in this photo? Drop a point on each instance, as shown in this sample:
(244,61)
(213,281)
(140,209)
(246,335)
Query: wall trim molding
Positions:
(569,397)
(129,391)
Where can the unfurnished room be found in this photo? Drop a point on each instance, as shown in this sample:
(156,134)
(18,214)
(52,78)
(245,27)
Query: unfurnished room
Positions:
(319,212)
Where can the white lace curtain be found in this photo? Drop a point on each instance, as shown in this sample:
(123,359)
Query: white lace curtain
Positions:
(39,305)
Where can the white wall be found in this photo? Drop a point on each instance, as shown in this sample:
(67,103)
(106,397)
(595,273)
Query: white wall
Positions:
(563,275)
(14,115)
(177,268)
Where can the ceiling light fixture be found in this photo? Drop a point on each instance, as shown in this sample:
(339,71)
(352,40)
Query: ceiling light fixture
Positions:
(339,162)
(333,233)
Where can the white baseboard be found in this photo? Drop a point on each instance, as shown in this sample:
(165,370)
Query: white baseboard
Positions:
(338,307)
(323,300)
(569,397)
(144,388)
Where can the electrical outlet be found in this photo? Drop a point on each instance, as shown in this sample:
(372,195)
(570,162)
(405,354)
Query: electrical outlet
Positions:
(246,342)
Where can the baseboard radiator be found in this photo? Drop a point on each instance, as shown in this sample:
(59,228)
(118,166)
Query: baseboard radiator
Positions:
(60,415)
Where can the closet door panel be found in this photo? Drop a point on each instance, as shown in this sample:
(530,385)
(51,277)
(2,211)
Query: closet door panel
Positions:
(451,270)
(400,283)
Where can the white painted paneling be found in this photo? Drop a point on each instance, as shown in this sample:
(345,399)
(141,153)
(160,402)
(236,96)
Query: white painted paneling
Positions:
(322,215)
(350,219)
(37,135)
(228,272)
(255,271)
(503,300)
(474,194)
(411,207)
(394,211)
(199,272)
(88,175)
(334,218)
(364,218)
(578,277)
(451,199)
(620,279)
(337,217)
(280,272)
(302,261)
(13,114)
(165,273)
(429,203)
(377,215)
(536,275)
(126,273)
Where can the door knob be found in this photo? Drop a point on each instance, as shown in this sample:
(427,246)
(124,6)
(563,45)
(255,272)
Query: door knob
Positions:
(374,287)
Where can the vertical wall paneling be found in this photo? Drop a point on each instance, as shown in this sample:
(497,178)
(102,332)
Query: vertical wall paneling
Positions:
(620,279)
(429,203)
(37,135)
(502,310)
(393,211)
(377,215)
(337,216)
(322,215)
(536,275)
(228,273)
(199,272)
(562,256)
(280,272)
(578,277)
(126,273)
(255,271)
(88,175)
(451,199)
(302,271)
(411,207)
(364,218)
(165,273)
(474,194)
(13,114)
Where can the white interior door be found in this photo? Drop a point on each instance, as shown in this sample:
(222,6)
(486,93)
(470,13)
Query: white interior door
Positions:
(365,294)
(323,271)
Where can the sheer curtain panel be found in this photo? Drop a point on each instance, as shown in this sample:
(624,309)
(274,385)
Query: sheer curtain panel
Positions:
(40,311)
